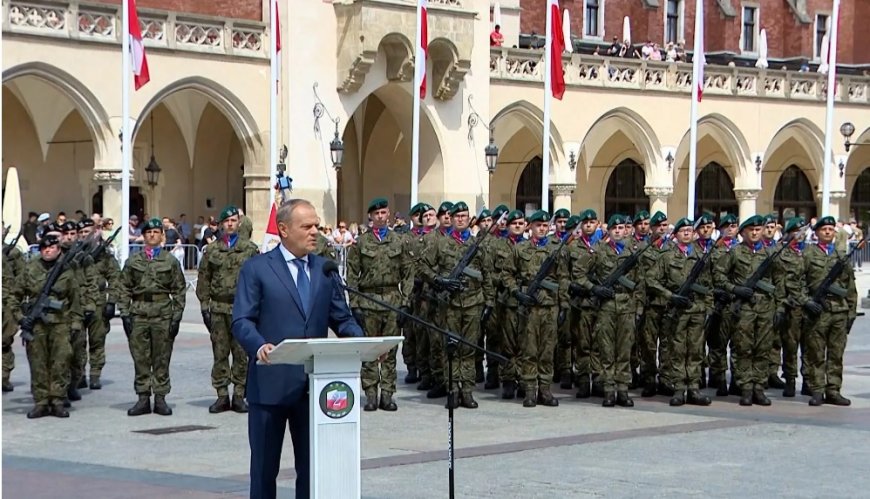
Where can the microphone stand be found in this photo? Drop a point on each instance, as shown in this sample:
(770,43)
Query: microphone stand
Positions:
(452,343)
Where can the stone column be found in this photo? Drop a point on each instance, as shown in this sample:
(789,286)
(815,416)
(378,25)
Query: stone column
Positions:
(562,196)
(257,192)
(839,205)
(658,198)
(111,182)
(746,198)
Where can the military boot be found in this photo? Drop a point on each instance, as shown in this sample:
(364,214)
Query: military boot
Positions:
(39,411)
(609,399)
(521,391)
(666,388)
(95,383)
(387,402)
(73,394)
(371,401)
(773,381)
(635,380)
(746,397)
(479,376)
(492,378)
(695,397)
(837,399)
(59,411)
(466,399)
(649,389)
(530,400)
(677,400)
(597,388)
(160,406)
(239,405)
(436,392)
(222,404)
(789,390)
(805,388)
(413,375)
(546,398)
(759,397)
(425,384)
(567,380)
(817,400)
(735,389)
(142,406)
(703,381)
(7,386)
(583,388)
(83,383)
(712,381)
(623,400)
(509,390)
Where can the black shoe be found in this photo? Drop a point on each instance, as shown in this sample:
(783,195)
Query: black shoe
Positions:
(758,397)
(371,401)
(583,388)
(437,392)
(695,397)
(649,390)
(222,404)
(666,389)
(492,381)
(425,384)
(59,411)
(479,376)
(677,400)
(413,375)
(547,399)
(557,376)
(452,400)
(735,388)
(83,383)
(773,381)
(837,399)
(567,380)
(73,394)
(39,411)
(789,390)
(746,398)
(7,386)
(509,390)
(817,400)
(95,383)
(805,388)
(142,406)
(521,391)
(529,399)
(623,400)
(609,399)
(466,399)
(160,406)
(66,403)
(239,405)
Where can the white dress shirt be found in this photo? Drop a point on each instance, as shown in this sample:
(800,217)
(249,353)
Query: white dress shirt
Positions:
(289,257)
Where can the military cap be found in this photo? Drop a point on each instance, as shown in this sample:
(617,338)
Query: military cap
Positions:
(572,223)
(728,219)
(227,212)
(616,219)
(657,218)
(753,221)
(539,216)
(824,221)
(154,223)
(704,219)
(85,223)
(415,210)
(683,222)
(52,227)
(445,207)
(68,226)
(459,207)
(377,204)
(562,213)
(793,223)
(49,240)
(515,215)
(484,214)
(641,216)
(497,212)
(426,207)
(588,215)
(770,219)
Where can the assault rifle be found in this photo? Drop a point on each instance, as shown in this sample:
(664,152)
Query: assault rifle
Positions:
(99,251)
(689,287)
(8,249)
(461,268)
(540,279)
(618,274)
(828,285)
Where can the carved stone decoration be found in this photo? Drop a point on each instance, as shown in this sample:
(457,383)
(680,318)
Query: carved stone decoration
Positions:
(835,195)
(357,74)
(746,194)
(96,24)
(661,192)
(198,34)
(107,176)
(448,86)
(39,17)
(153,29)
(562,189)
(245,39)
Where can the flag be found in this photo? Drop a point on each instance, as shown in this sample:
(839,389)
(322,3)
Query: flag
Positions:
(336,400)
(423,44)
(698,58)
(277,43)
(557,41)
(137,48)
(271,239)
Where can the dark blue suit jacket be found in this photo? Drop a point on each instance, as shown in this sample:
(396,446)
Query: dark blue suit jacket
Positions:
(267,309)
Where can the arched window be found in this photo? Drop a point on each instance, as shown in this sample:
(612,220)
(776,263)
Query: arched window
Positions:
(794,195)
(529,188)
(715,191)
(625,193)
(859,207)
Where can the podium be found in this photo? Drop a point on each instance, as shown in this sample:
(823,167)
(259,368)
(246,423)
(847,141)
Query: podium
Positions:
(333,367)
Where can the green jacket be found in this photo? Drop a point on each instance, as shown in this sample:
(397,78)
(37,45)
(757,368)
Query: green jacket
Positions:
(649,265)
(66,291)
(160,279)
(15,259)
(527,260)
(604,261)
(381,268)
(325,249)
(443,255)
(108,275)
(501,257)
(246,228)
(674,268)
(792,286)
(219,273)
(817,265)
(736,266)
(580,254)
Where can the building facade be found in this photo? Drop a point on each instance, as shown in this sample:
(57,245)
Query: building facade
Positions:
(619,138)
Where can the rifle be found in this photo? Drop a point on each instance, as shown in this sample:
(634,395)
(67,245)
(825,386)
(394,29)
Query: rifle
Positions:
(99,250)
(828,285)
(618,274)
(8,249)
(462,266)
(44,302)
(755,280)
(687,289)
(539,281)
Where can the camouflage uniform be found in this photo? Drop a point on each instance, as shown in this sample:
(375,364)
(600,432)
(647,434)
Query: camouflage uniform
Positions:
(218,275)
(13,265)
(325,249)
(652,340)
(437,359)
(719,339)
(505,316)
(107,272)
(791,266)
(246,228)
(582,317)
(415,348)
(87,279)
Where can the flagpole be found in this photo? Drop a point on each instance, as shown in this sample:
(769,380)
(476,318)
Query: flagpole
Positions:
(273,98)
(126,147)
(697,61)
(548,97)
(419,71)
(829,111)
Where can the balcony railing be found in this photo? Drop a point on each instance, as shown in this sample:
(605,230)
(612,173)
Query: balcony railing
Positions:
(635,74)
(101,23)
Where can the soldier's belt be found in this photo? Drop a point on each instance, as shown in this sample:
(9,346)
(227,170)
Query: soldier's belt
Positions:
(224,299)
(765,286)
(381,289)
(151,297)
(53,305)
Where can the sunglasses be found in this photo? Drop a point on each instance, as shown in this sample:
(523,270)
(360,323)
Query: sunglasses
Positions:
(342,227)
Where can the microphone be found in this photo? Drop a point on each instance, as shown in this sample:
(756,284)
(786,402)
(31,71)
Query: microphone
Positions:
(329,268)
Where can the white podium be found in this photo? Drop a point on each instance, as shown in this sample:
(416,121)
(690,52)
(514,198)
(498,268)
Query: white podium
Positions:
(333,366)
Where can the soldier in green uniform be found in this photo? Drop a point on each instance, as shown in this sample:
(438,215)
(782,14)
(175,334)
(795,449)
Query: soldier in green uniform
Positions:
(423,217)
(719,338)
(218,275)
(325,249)
(640,235)
(437,316)
(484,224)
(467,298)
(563,371)
(652,343)
(493,325)
(583,306)
(686,333)
(753,331)
(377,265)
(50,352)
(13,264)
(86,278)
(620,309)
(827,323)
(767,239)
(151,300)
(789,316)
(505,315)
(246,227)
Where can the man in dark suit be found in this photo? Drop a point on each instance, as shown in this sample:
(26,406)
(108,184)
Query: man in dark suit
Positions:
(284,294)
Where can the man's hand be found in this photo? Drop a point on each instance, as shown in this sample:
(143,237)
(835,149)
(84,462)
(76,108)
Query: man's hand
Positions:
(602,292)
(174,326)
(451,285)
(109,311)
(26,324)
(206,319)
(681,301)
(576,290)
(743,292)
(525,299)
(401,320)
(127,322)
(485,314)
(813,307)
(263,353)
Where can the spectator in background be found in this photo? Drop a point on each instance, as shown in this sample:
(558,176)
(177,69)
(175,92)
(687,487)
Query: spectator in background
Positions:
(98,219)
(172,240)
(42,222)
(28,230)
(134,231)
(184,228)
(61,218)
(647,50)
(496,39)
(80,215)
(671,52)
(615,48)
(198,227)
(681,51)
(342,237)
(857,237)
(210,232)
(656,54)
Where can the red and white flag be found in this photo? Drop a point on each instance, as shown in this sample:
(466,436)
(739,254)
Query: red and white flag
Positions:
(557,46)
(277,44)
(271,239)
(137,48)
(423,45)
(698,58)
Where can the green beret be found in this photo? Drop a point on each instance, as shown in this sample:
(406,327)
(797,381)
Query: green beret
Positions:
(484,214)
(415,209)
(683,222)
(539,216)
(85,223)
(227,213)
(154,223)
(515,215)
(445,207)
(641,216)
(658,218)
(770,219)
(704,219)
(377,204)
(616,219)
(499,210)
(753,221)
(562,213)
(572,223)
(458,208)
(424,207)
(825,221)
(794,223)
(588,215)
(728,219)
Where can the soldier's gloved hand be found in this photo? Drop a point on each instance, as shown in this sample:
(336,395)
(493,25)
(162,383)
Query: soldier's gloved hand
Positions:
(721,295)
(109,311)
(744,292)
(127,322)
(206,319)
(813,307)
(451,285)
(89,315)
(26,324)
(359,317)
(779,319)
(563,316)
(603,292)
(576,290)
(401,320)
(174,326)
(849,323)
(681,301)
(485,314)
(525,299)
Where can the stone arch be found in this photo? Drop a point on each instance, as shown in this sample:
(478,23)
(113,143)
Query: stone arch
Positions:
(857,166)
(448,68)
(521,114)
(399,53)
(799,142)
(84,101)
